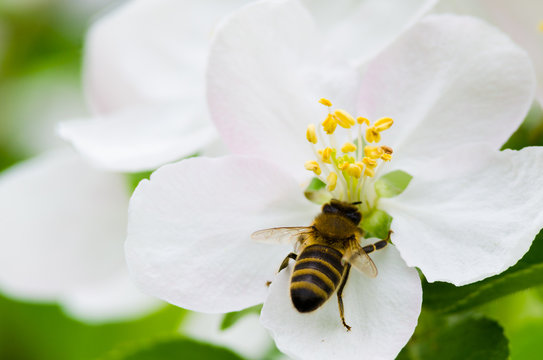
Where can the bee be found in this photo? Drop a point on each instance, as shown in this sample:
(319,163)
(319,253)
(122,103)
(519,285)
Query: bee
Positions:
(326,251)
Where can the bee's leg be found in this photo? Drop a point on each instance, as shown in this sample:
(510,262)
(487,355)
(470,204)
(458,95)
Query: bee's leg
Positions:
(377,245)
(340,292)
(284,264)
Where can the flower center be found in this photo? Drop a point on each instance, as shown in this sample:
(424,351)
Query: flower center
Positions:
(348,171)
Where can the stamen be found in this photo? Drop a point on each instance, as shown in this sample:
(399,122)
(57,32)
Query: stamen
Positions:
(325,102)
(354,170)
(369,162)
(332,181)
(373,152)
(312,165)
(387,149)
(311,134)
(344,119)
(372,135)
(348,147)
(383,124)
(329,125)
(362,120)
(369,172)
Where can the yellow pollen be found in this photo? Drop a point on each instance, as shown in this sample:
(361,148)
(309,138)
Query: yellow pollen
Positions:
(386,157)
(372,135)
(362,120)
(313,166)
(373,152)
(369,172)
(343,166)
(383,124)
(329,125)
(344,119)
(332,181)
(348,147)
(354,170)
(311,134)
(325,155)
(325,102)
(369,162)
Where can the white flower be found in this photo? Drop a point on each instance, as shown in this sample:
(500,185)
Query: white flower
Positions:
(521,19)
(144,73)
(455,88)
(144,78)
(62,225)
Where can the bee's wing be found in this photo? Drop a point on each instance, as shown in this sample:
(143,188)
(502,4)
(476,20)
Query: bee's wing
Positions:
(282,235)
(358,259)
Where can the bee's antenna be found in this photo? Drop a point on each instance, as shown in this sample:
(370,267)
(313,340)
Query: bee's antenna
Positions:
(356,203)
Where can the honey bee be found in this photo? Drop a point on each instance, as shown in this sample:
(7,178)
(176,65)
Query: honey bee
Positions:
(326,251)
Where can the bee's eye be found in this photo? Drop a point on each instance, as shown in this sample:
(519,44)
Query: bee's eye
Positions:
(330,209)
(355,217)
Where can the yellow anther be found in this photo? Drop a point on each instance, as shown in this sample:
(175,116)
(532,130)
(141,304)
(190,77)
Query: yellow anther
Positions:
(343,166)
(386,157)
(344,119)
(326,155)
(369,172)
(332,181)
(372,135)
(362,120)
(354,170)
(369,162)
(540,26)
(313,166)
(348,147)
(311,134)
(373,152)
(329,125)
(325,102)
(383,124)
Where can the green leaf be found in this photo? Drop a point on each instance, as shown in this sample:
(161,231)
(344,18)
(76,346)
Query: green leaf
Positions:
(530,132)
(43,332)
(466,339)
(134,179)
(376,224)
(231,318)
(527,273)
(392,184)
(176,348)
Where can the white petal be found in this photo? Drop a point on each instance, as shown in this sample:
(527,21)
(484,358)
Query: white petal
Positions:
(360,29)
(141,138)
(382,312)
(258,89)
(445,87)
(520,19)
(190,225)
(247,337)
(62,226)
(113,299)
(150,51)
(477,221)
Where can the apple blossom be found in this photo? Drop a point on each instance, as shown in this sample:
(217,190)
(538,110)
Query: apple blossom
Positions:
(145,63)
(437,104)
(62,227)
(521,19)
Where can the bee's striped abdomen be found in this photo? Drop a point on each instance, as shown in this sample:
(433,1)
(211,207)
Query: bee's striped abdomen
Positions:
(316,275)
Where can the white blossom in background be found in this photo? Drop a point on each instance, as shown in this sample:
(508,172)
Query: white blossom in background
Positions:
(520,19)
(62,227)
(144,79)
(455,98)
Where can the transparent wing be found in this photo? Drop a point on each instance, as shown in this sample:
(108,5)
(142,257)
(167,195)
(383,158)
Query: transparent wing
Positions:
(358,259)
(282,235)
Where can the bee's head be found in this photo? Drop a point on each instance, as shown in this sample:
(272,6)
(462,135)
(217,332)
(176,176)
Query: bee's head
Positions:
(347,210)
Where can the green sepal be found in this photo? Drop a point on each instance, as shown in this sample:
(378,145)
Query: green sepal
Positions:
(231,318)
(316,192)
(376,224)
(392,184)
